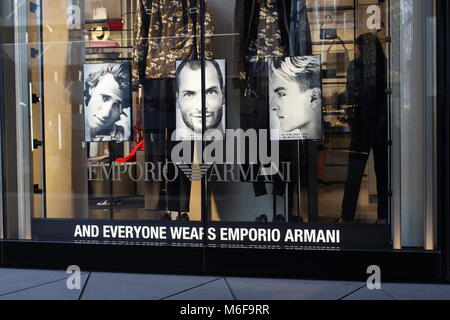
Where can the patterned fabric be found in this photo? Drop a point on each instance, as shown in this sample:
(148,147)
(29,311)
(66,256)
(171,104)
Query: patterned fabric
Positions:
(165,34)
(246,21)
(269,41)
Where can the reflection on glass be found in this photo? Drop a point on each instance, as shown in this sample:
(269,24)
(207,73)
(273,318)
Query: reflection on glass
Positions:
(366,90)
(311,73)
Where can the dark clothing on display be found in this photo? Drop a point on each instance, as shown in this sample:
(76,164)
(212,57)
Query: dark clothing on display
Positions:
(269,29)
(159,105)
(267,32)
(263,26)
(300,32)
(258,119)
(271,17)
(167,31)
(366,90)
(159,123)
(273,28)
(301,45)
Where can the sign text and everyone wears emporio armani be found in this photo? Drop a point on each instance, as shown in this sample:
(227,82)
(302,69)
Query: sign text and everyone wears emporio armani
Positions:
(222,234)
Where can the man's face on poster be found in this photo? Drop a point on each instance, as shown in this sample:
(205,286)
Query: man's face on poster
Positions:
(105,105)
(295,108)
(189,97)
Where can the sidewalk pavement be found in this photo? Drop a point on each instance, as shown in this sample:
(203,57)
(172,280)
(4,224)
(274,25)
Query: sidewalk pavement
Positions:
(26,284)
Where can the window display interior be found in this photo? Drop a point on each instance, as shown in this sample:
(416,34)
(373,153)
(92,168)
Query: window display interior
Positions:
(337,175)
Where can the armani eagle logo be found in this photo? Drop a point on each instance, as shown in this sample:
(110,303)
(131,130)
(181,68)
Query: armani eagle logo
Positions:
(194,172)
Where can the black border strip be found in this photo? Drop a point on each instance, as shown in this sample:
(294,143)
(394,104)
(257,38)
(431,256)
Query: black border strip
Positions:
(399,266)
(443,132)
(2,132)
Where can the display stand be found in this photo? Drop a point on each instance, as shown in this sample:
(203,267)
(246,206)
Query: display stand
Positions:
(299,188)
(313,205)
(287,213)
(286,202)
(313,199)
(274,206)
(110,180)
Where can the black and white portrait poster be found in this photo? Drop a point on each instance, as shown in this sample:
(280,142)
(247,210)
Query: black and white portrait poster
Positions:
(107,102)
(295,98)
(189,100)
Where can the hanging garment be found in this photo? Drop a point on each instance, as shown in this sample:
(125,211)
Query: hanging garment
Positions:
(264,36)
(263,28)
(159,123)
(277,20)
(167,31)
(267,41)
(300,31)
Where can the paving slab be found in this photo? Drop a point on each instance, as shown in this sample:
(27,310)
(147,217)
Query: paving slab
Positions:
(56,290)
(285,289)
(124,286)
(403,291)
(12,280)
(216,290)
(366,294)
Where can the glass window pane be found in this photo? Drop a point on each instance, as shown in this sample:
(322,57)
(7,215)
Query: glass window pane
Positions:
(305,115)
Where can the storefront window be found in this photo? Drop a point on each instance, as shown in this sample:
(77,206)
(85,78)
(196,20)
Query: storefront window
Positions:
(270,122)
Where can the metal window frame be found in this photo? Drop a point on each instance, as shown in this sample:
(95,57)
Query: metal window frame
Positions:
(430,113)
(2,183)
(443,131)
(421,225)
(22,120)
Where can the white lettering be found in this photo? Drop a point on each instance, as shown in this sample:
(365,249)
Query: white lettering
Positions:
(374,20)
(74,280)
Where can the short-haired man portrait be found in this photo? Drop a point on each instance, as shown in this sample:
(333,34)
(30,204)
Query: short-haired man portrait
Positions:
(295,98)
(107,102)
(189,99)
